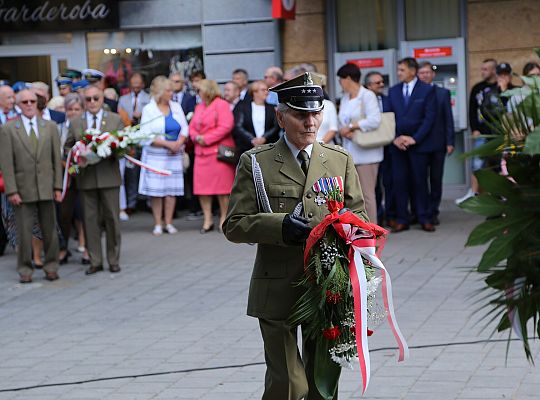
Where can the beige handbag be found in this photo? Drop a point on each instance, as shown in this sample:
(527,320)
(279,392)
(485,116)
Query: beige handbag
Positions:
(383,135)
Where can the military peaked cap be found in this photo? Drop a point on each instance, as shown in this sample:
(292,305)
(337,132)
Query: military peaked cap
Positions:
(303,93)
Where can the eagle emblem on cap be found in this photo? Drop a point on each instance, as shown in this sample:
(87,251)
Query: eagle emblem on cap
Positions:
(307,79)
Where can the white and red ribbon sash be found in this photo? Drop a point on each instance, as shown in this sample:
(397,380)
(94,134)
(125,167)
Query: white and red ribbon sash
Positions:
(78,149)
(362,244)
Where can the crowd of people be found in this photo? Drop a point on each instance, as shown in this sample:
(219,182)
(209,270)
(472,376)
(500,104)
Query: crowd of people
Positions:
(202,131)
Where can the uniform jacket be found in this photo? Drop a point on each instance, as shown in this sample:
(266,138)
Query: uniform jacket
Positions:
(416,118)
(33,176)
(106,173)
(244,131)
(126,102)
(278,267)
(214,123)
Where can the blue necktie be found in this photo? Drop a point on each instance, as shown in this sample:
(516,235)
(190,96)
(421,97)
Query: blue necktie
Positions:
(407,95)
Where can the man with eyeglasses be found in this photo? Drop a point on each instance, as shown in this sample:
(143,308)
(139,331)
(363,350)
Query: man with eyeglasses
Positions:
(99,184)
(31,163)
(182,96)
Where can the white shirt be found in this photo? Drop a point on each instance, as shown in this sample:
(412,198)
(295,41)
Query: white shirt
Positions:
(295,150)
(330,120)
(90,119)
(257,117)
(409,87)
(364,110)
(46,115)
(243,94)
(26,122)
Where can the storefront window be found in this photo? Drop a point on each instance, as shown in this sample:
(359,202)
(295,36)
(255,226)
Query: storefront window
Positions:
(18,39)
(366,25)
(432,19)
(119,54)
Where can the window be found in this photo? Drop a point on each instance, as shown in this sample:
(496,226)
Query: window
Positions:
(366,25)
(155,52)
(432,19)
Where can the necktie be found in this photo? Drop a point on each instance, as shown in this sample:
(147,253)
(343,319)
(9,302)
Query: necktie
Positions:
(94,124)
(304,161)
(407,94)
(135,104)
(33,138)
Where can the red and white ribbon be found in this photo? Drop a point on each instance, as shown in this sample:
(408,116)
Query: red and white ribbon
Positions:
(364,245)
(79,148)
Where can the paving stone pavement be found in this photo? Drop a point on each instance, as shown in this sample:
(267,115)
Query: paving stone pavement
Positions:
(176,312)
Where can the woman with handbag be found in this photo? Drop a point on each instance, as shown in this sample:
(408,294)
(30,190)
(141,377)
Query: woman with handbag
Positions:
(358,113)
(255,121)
(165,117)
(215,155)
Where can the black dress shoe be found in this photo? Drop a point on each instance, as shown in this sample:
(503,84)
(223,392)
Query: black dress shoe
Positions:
(93,270)
(436,221)
(428,227)
(85,261)
(64,260)
(114,268)
(206,230)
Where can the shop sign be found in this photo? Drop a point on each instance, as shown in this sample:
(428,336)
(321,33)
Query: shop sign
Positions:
(367,62)
(284,9)
(433,52)
(57,15)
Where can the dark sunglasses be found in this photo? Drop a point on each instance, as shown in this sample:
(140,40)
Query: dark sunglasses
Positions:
(29,101)
(94,98)
(378,83)
(177,81)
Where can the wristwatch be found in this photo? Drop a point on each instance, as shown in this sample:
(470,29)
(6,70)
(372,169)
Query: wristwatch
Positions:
(351,125)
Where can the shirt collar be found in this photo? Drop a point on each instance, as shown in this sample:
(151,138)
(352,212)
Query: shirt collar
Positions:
(294,150)
(411,84)
(27,120)
(99,114)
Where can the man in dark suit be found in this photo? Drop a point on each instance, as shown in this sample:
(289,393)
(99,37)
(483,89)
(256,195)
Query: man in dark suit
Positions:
(241,78)
(31,165)
(440,142)
(99,184)
(374,81)
(182,96)
(413,103)
(289,167)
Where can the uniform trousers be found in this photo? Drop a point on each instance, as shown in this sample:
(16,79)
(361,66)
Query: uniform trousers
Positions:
(368,180)
(101,207)
(289,376)
(24,217)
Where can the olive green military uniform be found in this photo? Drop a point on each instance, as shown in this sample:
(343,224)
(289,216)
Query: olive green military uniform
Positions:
(100,194)
(34,174)
(278,267)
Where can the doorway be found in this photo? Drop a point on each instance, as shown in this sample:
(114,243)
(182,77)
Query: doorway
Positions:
(26,69)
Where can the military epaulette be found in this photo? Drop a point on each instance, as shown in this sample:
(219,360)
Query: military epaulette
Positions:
(263,147)
(335,147)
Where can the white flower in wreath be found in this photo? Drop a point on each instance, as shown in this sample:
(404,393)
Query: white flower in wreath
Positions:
(104,150)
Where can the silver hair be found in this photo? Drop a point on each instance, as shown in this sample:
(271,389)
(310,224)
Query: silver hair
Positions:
(73,98)
(40,85)
(283,108)
(19,95)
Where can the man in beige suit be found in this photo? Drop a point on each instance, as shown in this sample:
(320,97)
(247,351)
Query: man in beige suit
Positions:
(31,164)
(289,167)
(99,184)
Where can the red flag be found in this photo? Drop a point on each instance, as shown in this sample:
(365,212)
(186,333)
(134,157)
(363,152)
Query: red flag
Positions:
(284,9)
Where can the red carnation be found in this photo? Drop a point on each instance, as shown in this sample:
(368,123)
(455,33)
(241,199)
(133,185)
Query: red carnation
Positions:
(88,137)
(334,205)
(333,298)
(331,333)
(113,145)
(353,330)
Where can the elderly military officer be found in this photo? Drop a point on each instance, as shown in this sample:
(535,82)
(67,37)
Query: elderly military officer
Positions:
(31,164)
(99,184)
(289,168)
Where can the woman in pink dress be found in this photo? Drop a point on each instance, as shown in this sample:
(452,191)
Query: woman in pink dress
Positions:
(211,126)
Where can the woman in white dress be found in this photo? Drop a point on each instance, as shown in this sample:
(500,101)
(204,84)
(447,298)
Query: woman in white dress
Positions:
(359,112)
(164,117)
